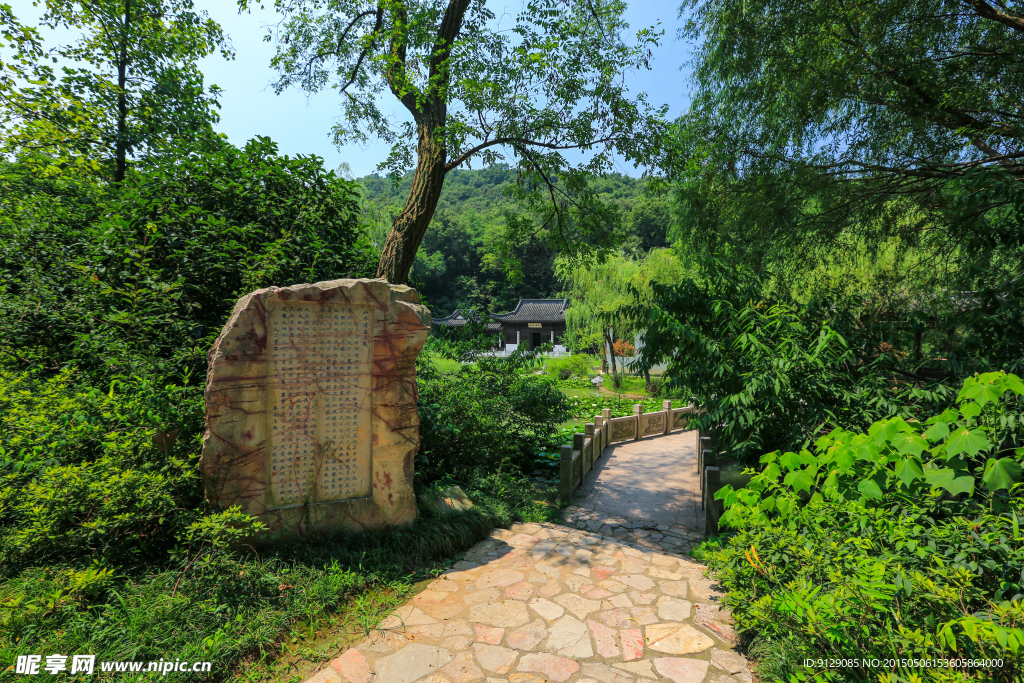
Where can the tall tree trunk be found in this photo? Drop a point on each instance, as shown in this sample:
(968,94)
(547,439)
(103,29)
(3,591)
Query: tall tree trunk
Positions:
(411,224)
(610,340)
(121,145)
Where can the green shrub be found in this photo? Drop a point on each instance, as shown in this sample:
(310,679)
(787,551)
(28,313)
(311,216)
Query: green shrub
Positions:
(487,414)
(566,367)
(81,478)
(899,543)
(112,280)
(771,375)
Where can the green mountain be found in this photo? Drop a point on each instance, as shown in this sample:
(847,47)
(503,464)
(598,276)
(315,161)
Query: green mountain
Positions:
(456,264)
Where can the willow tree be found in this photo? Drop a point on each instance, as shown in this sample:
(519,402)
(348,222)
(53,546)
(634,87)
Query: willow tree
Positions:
(475,87)
(600,292)
(825,126)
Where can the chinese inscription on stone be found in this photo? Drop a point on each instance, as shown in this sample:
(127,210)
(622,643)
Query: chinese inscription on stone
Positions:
(311,401)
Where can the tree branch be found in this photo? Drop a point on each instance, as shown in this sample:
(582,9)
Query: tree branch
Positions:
(987,11)
(515,141)
(366,50)
(395,73)
(451,24)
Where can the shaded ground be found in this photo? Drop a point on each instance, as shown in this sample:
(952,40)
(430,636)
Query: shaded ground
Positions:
(644,491)
(543,602)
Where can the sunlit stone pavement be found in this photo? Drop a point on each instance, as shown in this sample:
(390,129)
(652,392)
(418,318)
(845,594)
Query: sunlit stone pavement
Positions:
(544,602)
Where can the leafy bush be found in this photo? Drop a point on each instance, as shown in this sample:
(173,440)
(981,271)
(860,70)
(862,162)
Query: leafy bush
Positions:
(566,367)
(110,279)
(967,456)
(771,375)
(81,478)
(899,543)
(487,414)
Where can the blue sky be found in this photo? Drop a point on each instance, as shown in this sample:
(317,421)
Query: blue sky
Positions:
(301,124)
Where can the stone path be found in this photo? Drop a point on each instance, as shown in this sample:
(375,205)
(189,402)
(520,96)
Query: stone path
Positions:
(644,492)
(542,603)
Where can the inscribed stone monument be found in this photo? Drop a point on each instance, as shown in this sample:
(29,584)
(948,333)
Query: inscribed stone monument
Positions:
(311,421)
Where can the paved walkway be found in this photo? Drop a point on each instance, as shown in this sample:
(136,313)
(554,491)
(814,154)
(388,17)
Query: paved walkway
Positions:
(542,603)
(644,492)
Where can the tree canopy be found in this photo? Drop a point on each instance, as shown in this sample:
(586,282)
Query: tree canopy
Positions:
(130,82)
(552,82)
(462,262)
(823,119)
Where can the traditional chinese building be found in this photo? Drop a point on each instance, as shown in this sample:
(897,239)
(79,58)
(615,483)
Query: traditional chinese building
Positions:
(531,323)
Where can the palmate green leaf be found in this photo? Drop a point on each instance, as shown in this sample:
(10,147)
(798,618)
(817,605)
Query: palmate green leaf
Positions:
(790,461)
(962,484)
(880,432)
(868,452)
(909,443)
(1001,474)
(869,489)
(986,388)
(939,477)
(786,506)
(772,472)
(909,470)
(800,480)
(972,409)
(844,459)
(937,432)
(947,415)
(964,440)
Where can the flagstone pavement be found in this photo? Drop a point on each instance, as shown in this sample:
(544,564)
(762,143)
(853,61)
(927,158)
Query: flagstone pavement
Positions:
(545,602)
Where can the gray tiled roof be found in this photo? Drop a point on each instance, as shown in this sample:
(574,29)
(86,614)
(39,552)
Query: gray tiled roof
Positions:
(535,311)
(459,317)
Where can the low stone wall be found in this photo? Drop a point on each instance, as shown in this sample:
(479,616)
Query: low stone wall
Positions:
(710,481)
(579,458)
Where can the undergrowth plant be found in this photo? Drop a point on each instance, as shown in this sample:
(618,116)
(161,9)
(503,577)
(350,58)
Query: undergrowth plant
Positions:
(901,544)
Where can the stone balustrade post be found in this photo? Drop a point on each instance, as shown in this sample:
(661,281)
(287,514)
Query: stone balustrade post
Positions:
(599,430)
(565,474)
(606,413)
(588,431)
(638,414)
(667,407)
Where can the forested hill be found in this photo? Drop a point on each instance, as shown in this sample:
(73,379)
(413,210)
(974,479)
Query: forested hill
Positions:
(452,268)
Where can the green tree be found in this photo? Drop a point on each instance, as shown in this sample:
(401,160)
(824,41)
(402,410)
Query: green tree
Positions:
(600,291)
(130,83)
(551,83)
(115,281)
(823,125)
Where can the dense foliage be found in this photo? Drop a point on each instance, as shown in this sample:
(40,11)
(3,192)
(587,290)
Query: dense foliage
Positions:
(772,374)
(149,272)
(901,543)
(129,84)
(870,150)
(462,260)
(486,416)
(548,83)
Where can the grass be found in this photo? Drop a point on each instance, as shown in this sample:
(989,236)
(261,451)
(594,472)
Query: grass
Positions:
(265,614)
(445,366)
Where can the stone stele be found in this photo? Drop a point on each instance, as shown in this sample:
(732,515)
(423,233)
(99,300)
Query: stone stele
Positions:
(311,421)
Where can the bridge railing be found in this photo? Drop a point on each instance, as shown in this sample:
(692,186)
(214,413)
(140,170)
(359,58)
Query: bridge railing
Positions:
(578,458)
(710,475)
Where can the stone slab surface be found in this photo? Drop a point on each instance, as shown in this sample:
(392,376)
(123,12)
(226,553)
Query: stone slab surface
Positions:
(545,602)
(311,417)
(645,493)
